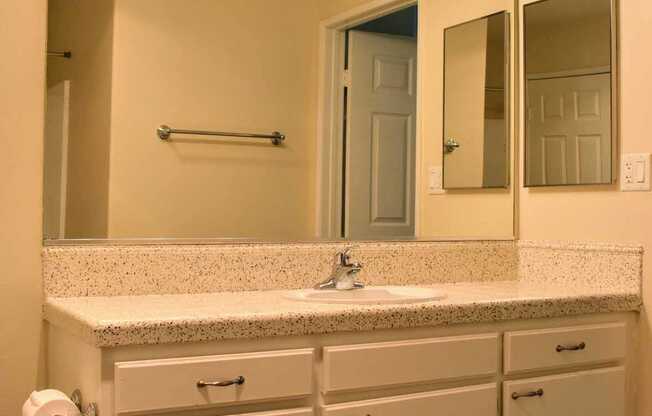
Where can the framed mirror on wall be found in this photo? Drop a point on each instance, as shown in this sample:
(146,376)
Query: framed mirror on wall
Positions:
(570,69)
(264,120)
(476,104)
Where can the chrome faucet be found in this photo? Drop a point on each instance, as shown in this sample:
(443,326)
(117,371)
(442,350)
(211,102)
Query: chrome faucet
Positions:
(344,272)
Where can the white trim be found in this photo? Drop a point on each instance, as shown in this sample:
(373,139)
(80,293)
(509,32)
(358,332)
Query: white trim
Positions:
(570,73)
(63,201)
(521,108)
(329,110)
(418,154)
(364,13)
(327,131)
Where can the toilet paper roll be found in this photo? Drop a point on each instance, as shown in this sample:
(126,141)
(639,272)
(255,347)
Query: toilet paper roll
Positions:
(49,403)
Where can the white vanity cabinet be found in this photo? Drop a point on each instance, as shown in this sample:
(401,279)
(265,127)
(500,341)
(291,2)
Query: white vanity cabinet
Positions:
(432,360)
(599,392)
(561,366)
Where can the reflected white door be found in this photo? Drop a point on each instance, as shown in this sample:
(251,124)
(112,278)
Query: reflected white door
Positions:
(55,160)
(569,130)
(381,136)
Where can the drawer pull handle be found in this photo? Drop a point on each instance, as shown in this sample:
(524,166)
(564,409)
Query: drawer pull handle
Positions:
(238,380)
(536,393)
(577,347)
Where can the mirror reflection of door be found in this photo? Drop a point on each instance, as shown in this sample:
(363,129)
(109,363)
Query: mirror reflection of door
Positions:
(568,92)
(569,138)
(475,148)
(381,129)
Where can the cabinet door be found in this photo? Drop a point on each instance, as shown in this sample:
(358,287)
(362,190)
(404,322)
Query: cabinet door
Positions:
(595,393)
(466,401)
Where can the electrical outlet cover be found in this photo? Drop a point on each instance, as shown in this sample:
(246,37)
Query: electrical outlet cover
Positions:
(635,172)
(435,180)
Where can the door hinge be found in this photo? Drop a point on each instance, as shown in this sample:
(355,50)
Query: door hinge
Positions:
(346,78)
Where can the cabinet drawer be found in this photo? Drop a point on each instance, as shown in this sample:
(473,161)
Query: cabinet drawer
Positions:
(415,361)
(595,393)
(563,347)
(173,383)
(475,400)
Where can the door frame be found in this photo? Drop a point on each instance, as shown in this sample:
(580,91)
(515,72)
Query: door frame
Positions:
(330,112)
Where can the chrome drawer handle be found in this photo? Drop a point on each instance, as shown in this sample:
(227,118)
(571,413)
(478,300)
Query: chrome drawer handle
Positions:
(577,347)
(536,393)
(238,380)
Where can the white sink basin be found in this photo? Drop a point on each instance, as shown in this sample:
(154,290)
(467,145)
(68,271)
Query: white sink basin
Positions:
(368,295)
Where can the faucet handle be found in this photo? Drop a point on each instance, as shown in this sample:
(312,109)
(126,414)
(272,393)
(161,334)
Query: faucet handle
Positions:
(344,257)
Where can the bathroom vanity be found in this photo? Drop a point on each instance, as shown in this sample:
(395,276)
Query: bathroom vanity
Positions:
(525,344)
(580,365)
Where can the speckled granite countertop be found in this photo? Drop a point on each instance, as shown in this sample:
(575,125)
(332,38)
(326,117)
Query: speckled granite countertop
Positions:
(156,319)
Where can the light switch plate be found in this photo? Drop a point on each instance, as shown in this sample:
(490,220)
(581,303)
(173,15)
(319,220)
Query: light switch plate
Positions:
(635,175)
(435,180)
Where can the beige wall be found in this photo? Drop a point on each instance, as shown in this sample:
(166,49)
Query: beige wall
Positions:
(603,213)
(330,8)
(85,28)
(579,40)
(213,65)
(484,212)
(22,82)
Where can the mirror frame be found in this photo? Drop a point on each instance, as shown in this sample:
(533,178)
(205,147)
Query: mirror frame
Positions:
(507,50)
(615,99)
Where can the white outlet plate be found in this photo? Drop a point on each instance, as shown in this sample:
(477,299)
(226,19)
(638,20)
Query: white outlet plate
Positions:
(435,180)
(635,172)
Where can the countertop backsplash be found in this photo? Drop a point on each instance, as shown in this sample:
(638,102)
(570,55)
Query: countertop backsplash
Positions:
(127,270)
(71,271)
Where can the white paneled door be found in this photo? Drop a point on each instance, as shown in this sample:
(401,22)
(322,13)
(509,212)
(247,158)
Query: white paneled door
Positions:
(569,130)
(381,136)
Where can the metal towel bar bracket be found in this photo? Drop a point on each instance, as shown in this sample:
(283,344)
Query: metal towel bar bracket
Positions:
(60,54)
(164,132)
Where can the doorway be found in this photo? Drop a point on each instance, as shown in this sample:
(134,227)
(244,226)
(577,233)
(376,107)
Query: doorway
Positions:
(373,154)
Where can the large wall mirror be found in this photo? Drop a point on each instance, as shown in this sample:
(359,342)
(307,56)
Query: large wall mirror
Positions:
(570,68)
(476,104)
(281,120)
